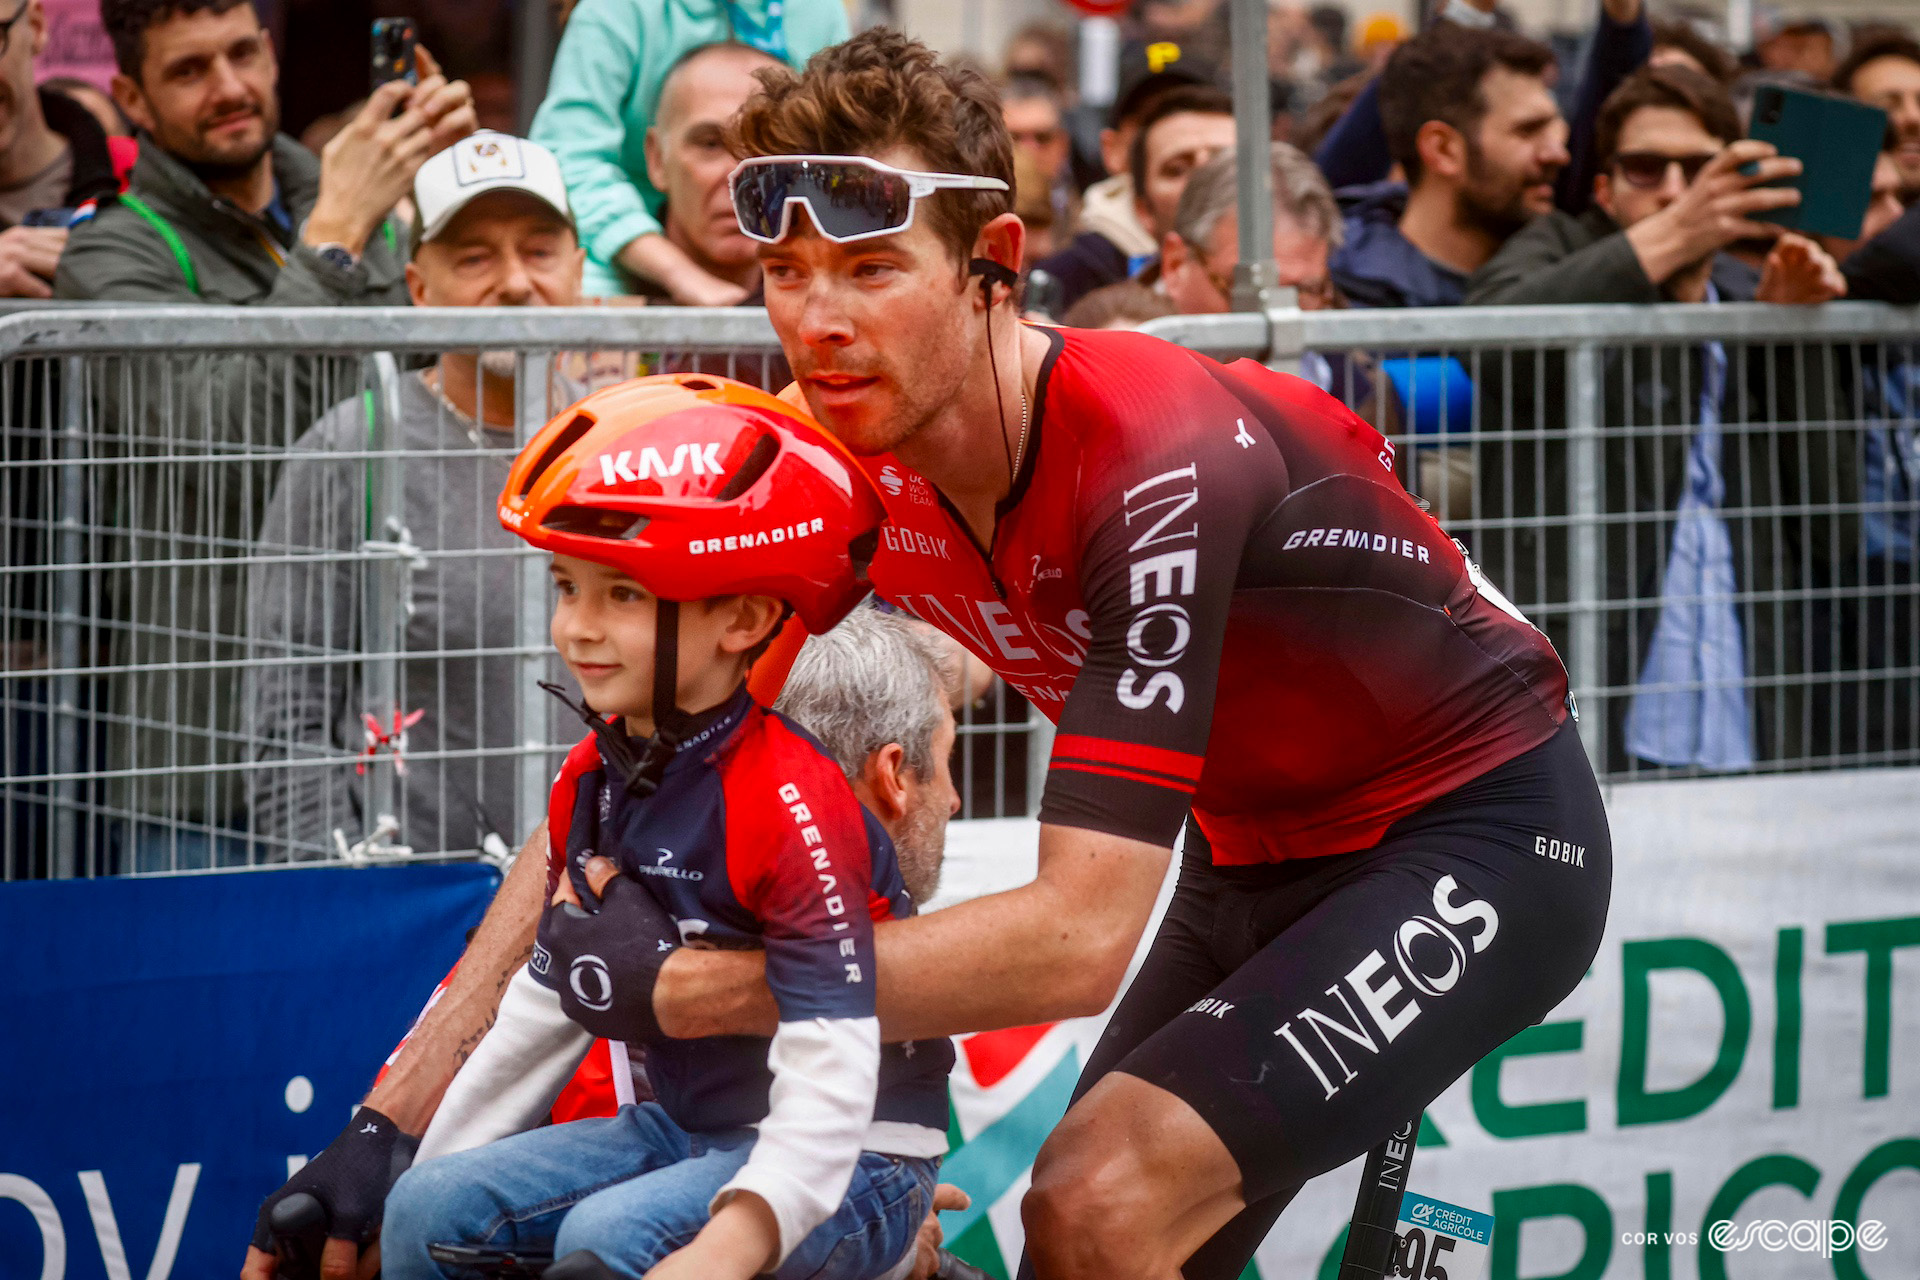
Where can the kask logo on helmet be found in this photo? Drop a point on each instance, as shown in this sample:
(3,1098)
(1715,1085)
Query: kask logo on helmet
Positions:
(616,467)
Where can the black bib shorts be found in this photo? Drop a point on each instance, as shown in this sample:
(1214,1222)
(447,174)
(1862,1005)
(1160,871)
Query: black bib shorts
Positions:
(1306,1009)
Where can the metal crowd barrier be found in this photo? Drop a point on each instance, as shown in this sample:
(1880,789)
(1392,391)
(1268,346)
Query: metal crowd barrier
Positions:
(256,600)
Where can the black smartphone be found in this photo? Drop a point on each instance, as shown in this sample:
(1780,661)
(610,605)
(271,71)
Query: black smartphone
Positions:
(47,218)
(1837,142)
(394,42)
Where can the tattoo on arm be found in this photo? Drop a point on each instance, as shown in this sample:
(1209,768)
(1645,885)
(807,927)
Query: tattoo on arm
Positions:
(465,1048)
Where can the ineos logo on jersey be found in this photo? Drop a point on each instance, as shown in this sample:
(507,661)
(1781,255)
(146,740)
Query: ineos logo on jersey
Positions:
(615,467)
(1427,952)
(592,985)
(1159,634)
(1159,646)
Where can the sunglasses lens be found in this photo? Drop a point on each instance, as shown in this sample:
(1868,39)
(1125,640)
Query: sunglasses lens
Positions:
(845,201)
(760,200)
(1643,170)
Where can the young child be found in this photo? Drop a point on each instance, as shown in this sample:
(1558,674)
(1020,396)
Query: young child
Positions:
(685,514)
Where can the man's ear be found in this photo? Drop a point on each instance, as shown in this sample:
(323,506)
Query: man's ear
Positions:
(882,785)
(416,285)
(1603,193)
(1442,148)
(132,100)
(656,158)
(1113,156)
(37,23)
(1173,254)
(1004,241)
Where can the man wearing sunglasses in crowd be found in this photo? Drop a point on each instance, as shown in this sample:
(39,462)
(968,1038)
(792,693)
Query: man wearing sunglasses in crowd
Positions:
(1677,193)
(1669,199)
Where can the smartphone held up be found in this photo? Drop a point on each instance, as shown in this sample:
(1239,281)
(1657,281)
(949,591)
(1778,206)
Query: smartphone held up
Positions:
(395,46)
(1837,142)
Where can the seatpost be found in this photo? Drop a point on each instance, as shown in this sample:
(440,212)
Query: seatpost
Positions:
(1376,1210)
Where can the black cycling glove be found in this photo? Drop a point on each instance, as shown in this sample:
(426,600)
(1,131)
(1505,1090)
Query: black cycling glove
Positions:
(350,1178)
(603,960)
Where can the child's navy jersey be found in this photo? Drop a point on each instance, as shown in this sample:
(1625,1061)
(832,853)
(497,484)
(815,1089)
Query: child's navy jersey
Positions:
(755,840)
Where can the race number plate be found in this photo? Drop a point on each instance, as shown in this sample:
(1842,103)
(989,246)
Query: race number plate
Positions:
(1441,1241)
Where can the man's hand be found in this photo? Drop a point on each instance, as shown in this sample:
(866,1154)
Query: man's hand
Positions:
(1715,210)
(350,1179)
(28,259)
(342,1260)
(600,872)
(370,164)
(1800,271)
(926,1245)
(625,934)
(656,258)
(698,289)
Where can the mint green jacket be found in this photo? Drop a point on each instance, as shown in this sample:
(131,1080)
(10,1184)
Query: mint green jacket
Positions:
(606,83)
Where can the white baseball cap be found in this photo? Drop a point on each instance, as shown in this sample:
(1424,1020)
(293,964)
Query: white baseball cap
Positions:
(479,163)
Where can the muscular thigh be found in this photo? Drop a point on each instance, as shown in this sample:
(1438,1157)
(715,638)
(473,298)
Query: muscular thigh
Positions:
(1422,956)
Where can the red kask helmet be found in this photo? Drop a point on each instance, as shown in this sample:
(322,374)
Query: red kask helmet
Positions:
(699,486)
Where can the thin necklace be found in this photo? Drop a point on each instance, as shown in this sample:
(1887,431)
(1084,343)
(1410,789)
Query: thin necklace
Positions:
(1020,454)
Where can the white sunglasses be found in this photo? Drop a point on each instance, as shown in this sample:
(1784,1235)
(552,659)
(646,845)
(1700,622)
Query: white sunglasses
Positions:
(849,198)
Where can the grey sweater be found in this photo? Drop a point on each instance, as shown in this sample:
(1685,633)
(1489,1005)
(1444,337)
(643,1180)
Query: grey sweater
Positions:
(464,599)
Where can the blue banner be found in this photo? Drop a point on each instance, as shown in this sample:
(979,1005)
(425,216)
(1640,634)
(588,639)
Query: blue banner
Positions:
(170,1044)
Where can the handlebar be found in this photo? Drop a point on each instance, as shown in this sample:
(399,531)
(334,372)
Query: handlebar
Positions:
(299,1227)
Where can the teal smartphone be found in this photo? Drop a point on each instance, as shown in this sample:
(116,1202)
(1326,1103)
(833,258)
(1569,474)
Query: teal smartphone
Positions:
(1837,141)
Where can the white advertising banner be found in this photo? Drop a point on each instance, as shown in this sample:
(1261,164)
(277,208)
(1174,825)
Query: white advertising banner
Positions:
(1745,1050)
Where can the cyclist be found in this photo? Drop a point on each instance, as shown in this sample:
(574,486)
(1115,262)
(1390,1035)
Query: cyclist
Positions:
(1210,577)
(1397,857)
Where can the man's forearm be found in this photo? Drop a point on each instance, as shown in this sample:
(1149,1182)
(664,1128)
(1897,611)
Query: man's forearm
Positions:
(413,1086)
(1052,949)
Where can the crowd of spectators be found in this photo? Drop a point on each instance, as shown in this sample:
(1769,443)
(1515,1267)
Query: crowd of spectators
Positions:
(1467,163)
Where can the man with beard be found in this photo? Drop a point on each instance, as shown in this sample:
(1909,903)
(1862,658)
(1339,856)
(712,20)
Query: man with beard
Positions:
(1885,72)
(1470,119)
(223,209)
(1721,594)
(494,230)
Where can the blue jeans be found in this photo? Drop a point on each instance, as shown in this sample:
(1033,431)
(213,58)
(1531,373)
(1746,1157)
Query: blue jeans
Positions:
(632,1188)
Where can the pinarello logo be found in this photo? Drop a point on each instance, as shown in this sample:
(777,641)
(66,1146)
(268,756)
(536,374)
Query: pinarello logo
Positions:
(890,481)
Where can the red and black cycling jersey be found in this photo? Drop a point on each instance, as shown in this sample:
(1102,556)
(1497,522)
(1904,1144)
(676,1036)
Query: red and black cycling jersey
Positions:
(1210,577)
(754,840)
